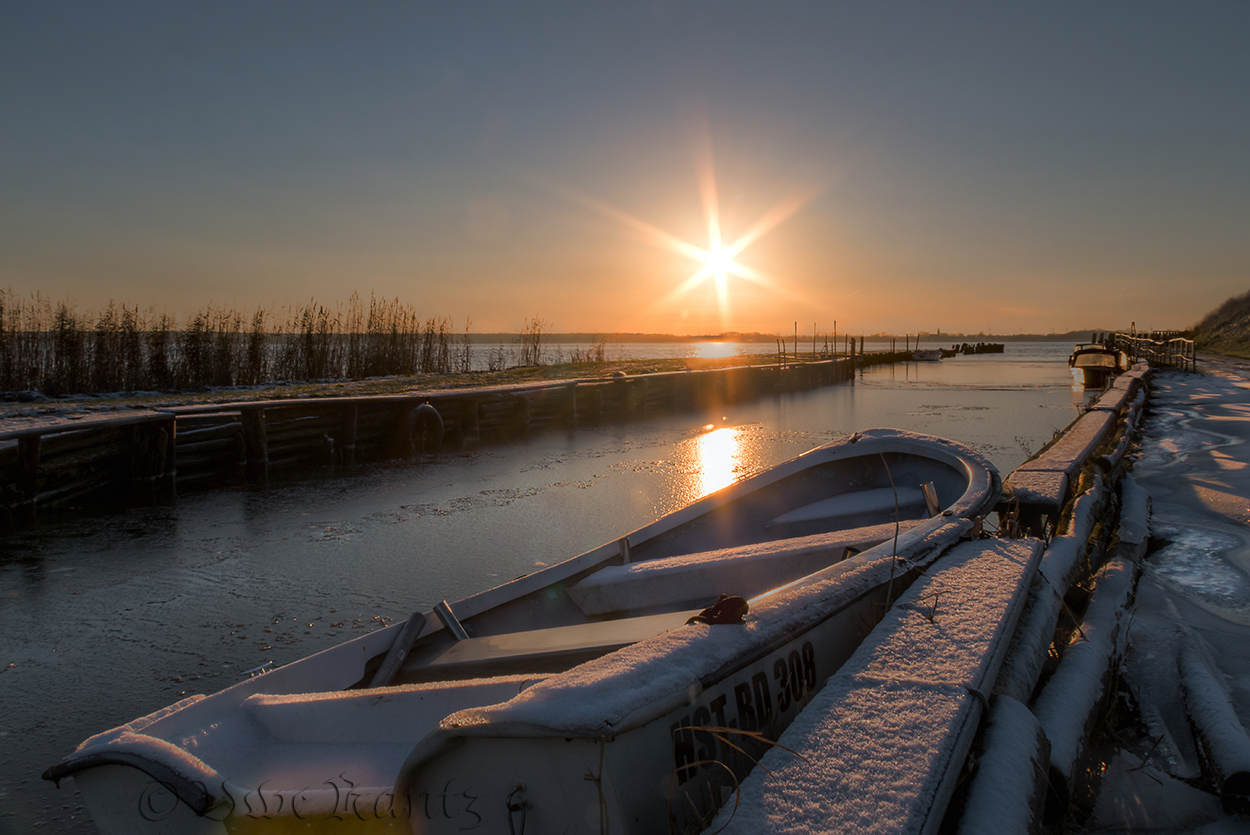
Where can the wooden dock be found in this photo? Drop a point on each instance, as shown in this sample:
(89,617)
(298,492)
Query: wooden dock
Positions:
(970,707)
(144,454)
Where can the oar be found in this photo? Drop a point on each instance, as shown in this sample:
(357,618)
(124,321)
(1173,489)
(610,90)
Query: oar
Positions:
(399,650)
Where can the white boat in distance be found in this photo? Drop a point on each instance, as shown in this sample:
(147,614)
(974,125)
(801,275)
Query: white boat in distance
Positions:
(1094,365)
(926,355)
(603,693)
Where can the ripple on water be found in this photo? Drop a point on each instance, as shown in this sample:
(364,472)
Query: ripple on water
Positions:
(1193,562)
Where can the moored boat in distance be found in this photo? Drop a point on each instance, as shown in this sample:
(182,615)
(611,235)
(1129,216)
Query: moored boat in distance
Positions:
(926,354)
(1095,365)
(620,690)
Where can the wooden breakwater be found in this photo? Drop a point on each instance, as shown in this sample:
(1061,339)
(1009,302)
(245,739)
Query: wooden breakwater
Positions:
(143,454)
(972,706)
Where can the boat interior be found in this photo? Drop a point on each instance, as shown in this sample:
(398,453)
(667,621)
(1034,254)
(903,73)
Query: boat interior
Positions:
(744,545)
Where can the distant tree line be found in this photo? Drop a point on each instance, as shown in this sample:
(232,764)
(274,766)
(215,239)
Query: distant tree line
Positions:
(50,348)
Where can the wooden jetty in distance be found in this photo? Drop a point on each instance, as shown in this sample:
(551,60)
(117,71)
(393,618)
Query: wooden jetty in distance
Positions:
(979,348)
(144,453)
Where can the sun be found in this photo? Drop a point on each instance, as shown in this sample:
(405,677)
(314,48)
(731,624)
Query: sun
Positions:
(718,262)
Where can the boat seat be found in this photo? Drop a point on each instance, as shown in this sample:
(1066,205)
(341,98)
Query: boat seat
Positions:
(745,570)
(548,650)
(375,715)
(859,503)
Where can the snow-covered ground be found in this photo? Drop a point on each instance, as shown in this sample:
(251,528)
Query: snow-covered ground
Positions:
(1196,582)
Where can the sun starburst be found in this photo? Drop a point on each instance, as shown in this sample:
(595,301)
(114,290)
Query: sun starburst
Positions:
(718,262)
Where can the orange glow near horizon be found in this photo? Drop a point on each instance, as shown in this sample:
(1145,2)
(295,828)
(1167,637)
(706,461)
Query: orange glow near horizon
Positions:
(718,262)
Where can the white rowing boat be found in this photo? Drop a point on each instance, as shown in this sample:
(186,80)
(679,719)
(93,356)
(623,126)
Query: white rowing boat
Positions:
(579,698)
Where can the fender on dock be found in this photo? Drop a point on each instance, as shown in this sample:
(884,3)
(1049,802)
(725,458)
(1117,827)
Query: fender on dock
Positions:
(425,427)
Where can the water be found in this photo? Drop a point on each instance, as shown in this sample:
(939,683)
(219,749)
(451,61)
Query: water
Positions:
(483,355)
(105,619)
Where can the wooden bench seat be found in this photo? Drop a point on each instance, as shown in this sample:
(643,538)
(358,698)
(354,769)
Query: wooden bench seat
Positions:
(551,649)
(746,570)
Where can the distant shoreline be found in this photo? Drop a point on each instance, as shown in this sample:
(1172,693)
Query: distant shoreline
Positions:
(937,338)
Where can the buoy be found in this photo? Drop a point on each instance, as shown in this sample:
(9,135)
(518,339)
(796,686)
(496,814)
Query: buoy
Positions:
(425,427)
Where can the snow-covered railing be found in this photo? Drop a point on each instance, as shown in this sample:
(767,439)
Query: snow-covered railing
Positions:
(1166,350)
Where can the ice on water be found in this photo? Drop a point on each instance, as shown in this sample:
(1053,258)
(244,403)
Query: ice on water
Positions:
(1193,562)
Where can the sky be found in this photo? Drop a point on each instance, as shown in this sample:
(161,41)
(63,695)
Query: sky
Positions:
(675,167)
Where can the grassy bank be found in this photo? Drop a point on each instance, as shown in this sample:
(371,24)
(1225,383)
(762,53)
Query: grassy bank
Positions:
(1226,330)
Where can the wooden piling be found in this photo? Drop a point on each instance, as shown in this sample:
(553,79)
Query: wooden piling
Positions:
(28,447)
(347,446)
(256,442)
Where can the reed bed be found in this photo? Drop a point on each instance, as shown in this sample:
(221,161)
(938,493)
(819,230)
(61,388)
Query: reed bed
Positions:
(50,348)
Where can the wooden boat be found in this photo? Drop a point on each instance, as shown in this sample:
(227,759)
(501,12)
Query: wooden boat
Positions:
(1095,365)
(603,693)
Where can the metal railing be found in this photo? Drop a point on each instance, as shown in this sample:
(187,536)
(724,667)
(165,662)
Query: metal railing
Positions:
(1162,349)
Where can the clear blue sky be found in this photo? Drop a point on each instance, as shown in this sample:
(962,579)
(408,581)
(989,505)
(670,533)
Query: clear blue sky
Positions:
(966,166)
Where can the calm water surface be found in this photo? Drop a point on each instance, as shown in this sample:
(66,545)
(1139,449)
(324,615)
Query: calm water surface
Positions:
(105,619)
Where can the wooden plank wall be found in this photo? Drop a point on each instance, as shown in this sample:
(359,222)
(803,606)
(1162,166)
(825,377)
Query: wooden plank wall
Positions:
(151,454)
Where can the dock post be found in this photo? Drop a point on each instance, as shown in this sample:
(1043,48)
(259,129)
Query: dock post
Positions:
(471,431)
(351,419)
(589,411)
(256,442)
(149,463)
(570,406)
(167,437)
(28,470)
(524,413)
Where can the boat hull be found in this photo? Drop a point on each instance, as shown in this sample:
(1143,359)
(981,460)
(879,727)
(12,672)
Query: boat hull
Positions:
(646,734)
(669,774)
(1095,366)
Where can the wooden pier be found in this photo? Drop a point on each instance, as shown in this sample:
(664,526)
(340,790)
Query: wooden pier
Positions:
(1162,349)
(144,454)
(970,708)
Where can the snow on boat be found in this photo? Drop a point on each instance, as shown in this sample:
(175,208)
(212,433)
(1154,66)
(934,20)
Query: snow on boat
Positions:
(1094,365)
(608,692)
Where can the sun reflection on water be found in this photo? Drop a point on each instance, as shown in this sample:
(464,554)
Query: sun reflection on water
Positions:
(714,350)
(717,458)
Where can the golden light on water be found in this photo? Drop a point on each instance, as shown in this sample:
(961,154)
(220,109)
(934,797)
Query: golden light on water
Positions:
(717,458)
(714,350)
